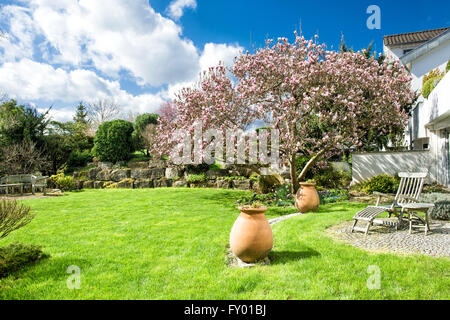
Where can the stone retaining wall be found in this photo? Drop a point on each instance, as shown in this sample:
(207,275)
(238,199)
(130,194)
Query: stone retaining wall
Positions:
(155,175)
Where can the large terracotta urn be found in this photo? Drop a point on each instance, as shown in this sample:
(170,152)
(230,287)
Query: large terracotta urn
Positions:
(251,237)
(307,198)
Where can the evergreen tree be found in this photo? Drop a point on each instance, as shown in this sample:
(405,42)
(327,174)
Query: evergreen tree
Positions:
(81,114)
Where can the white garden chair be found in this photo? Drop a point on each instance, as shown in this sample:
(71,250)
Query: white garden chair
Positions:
(409,190)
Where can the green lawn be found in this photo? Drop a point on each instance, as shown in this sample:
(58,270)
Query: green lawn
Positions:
(171,244)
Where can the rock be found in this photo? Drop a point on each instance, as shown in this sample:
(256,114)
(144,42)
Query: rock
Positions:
(233,173)
(198,185)
(125,184)
(247,170)
(104,175)
(76,174)
(120,164)
(141,184)
(105,165)
(55,193)
(172,173)
(162,183)
(157,164)
(157,173)
(88,185)
(223,184)
(242,184)
(120,174)
(211,183)
(98,184)
(78,184)
(92,174)
(141,174)
(267,183)
(83,174)
(214,174)
(180,183)
(138,165)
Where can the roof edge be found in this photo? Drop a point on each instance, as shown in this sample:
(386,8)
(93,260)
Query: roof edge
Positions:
(426,47)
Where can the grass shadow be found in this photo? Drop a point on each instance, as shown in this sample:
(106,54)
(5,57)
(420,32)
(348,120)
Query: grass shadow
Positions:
(18,256)
(282,257)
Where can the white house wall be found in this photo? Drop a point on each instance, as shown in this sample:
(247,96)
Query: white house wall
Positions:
(436,58)
(367,165)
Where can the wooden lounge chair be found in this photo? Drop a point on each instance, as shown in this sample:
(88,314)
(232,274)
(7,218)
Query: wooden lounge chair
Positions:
(409,190)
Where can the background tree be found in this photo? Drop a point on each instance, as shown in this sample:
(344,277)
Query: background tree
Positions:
(67,143)
(101,111)
(81,115)
(19,122)
(144,130)
(23,158)
(113,141)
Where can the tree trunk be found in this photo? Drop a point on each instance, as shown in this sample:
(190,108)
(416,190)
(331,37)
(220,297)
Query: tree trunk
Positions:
(294,180)
(309,165)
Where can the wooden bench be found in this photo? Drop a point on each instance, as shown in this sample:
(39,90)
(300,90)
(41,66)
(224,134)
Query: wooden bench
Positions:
(20,181)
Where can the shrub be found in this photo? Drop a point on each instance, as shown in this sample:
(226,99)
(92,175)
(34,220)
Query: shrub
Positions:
(441,202)
(78,159)
(432,74)
(13,216)
(197,168)
(62,182)
(16,255)
(196,178)
(282,197)
(332,178)
(231,178)
(382,183)
(113,141)
(447,68)
(429,86)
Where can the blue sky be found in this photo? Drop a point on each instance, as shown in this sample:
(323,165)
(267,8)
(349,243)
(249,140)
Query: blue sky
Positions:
(233,21)
(139,53)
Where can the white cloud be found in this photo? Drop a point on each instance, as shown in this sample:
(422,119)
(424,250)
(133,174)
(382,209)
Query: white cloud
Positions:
(175,9)
(110,36)
(70,50)
(17,41)
(30,80)
(212,54)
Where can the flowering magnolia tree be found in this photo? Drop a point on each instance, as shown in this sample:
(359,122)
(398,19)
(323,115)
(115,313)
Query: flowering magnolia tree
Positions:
(213,103)
(319,101)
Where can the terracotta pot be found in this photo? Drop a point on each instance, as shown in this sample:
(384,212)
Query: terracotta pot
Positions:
(307,198)
(251,237)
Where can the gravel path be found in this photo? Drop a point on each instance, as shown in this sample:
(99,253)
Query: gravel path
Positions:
(279,219)
(383,239)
